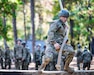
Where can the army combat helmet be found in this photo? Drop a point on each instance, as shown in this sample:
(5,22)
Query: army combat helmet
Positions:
(23,42)
(19,40)
(64,13)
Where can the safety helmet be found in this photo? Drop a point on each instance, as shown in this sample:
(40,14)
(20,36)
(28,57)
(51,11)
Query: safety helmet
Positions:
(19,40)
(79,46)
(23,42)
(64,13)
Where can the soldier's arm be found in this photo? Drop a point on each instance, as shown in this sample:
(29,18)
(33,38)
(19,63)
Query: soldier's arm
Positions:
(3,54)
(29,57)
(14,52)
(24,53)
(91,56)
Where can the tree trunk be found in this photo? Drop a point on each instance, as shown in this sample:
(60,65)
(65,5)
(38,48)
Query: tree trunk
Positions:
(14,25)
(71,32)
(24,13)
(33,25)
(4,22)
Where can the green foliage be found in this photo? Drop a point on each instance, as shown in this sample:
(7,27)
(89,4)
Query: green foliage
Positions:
(81,11)
(6,9)
(3,30)
(39,32)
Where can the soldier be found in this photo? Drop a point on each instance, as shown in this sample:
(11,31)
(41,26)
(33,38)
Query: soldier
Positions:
(87,58)
(79,56)
(7,58)
(55,38)
(26,57)
(43,52)
(1,58)
(37,56)
(18,54)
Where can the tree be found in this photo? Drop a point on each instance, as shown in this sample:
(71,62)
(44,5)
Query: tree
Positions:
(33,25)
(24,18)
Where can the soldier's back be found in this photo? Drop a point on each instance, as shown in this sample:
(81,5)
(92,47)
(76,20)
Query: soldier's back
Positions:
(87,56)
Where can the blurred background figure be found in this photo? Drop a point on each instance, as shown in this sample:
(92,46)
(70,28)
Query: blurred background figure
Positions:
(37,56)
(8,58)
(18,54)
(1,58)
(26,57)
(43,52)
(79,56)
(87,58)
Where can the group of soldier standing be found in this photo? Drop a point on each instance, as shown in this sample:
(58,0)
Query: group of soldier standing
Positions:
(21,56)
(84,57)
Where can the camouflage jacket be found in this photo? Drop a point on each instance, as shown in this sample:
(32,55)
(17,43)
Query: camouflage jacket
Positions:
(37,55)
(26,54)
(87,56)
(7,54)
(1,53)
(18,52)
(56,32)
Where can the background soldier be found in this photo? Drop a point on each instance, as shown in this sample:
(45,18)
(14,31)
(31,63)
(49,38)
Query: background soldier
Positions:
(1,58)
(79,56)
(87,58)
(43,52)
(26,57)
(37,56)
(55,38)
(18,54)
(7,58)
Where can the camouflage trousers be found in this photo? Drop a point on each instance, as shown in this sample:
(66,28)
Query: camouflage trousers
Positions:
(25,65)
(18,64)
(1,63)
(8,63)
(52,54)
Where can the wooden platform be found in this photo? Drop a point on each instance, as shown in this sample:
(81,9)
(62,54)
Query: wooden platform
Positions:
(35,72)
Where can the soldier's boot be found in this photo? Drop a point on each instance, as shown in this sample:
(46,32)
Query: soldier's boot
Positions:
(44,63)
(67,62)
(78,65)
(88,67)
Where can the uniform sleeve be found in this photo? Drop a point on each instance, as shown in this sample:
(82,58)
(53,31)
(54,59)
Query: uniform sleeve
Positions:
(91,56)
(14,52)
(24,53)
(3,54)
(51,33)
(35,55)
(29,57)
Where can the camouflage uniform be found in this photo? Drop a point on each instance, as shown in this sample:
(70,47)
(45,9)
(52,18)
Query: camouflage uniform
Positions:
(18,55)
(43,52)
(1,58)
(56,34)
(26,57)
(79,57)
(87,58)
(8,58)
(37,56)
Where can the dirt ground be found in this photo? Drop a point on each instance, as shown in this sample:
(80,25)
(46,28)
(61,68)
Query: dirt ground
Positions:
(73,64)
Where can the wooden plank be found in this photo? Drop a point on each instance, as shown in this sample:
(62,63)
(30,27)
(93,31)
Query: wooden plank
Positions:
(35,72)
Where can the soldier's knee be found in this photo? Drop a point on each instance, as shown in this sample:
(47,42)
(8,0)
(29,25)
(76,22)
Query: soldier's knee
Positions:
(46,59)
